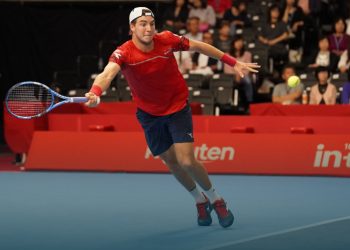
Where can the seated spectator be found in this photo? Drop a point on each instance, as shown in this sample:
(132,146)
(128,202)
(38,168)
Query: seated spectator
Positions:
(203,64)
(238,51)
(205,13)
(193,31)
(339,40)
(184,61)
(345,94)
(220,6)
(293,17)
(323,57)
(323,92)
(176,15)
(274,34)
(284,94)
(242,6)
(344,62)
(223,38)
(235,17)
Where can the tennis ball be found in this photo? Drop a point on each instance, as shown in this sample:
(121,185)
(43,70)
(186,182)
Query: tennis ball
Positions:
(293,81)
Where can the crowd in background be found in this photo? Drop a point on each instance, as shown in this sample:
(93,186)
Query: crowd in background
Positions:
(288,37)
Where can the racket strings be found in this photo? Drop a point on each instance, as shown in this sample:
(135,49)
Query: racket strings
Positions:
(29,100)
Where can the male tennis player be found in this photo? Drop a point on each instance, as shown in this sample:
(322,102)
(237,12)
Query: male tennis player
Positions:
(160,92)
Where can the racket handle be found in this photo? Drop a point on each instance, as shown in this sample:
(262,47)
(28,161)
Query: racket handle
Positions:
(79,99)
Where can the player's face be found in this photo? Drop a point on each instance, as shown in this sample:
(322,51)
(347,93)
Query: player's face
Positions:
(144,29)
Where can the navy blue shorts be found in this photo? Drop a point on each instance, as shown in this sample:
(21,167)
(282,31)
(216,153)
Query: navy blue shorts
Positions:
(163,131)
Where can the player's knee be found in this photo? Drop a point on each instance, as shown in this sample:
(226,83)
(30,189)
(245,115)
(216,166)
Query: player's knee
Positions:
(187,162)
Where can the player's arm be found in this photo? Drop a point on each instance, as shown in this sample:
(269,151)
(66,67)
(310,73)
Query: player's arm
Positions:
(213,52)
(102,83)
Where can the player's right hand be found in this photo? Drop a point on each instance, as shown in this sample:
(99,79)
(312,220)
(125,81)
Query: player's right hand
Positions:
(93,100)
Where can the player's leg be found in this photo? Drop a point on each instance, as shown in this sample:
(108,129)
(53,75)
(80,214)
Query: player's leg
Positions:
(169,158)
(202,203)
(185,157)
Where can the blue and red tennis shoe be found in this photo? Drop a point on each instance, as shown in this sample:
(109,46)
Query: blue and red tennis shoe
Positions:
(204,209)
(224,214)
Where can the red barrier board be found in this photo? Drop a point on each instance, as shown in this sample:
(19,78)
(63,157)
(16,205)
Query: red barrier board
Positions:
(282,154)
(299,110)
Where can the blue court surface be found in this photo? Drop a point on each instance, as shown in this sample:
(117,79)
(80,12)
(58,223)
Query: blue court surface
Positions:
(59,210)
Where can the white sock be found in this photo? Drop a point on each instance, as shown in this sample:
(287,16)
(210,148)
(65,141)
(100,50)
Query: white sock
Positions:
(197,195)
(212,195)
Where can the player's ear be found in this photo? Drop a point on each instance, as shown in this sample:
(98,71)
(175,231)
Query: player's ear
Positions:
(131,28)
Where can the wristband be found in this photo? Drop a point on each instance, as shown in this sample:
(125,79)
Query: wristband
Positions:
(228,60)
(96,90)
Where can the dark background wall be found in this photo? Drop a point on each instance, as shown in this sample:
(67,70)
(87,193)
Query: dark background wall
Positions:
(40,38)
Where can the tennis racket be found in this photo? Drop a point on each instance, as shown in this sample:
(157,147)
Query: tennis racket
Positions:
(27,100)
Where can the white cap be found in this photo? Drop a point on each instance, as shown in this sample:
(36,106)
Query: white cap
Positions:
(139,11)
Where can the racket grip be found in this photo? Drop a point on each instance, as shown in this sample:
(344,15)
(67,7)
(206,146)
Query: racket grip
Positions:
(79,99)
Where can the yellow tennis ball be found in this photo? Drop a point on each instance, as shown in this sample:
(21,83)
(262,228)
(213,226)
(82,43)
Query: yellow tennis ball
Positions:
(293,81)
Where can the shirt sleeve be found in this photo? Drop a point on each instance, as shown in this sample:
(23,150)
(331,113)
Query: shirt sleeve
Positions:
(178,43)
(118,56)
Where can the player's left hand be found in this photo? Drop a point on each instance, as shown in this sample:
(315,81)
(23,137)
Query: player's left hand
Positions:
(240,66)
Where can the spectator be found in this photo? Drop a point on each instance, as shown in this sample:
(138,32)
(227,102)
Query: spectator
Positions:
(274,34)
(242,6)
(304,5)
(345,94)
(220,6)
(323,92)
(323,57)
(338,41)
(284,94)
(293,17)
(344,62)
(205,13)
(223,38)
(236,18)
(176,15)
(239,52)
(311,9)
(184,58)
(203,64)
(184,61)
(193,31)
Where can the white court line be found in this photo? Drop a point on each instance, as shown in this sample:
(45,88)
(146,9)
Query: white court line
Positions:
(294,229)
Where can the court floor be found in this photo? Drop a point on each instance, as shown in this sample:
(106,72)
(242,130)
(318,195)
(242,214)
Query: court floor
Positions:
(60,210)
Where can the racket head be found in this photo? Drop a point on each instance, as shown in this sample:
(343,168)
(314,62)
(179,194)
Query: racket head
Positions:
(27,100)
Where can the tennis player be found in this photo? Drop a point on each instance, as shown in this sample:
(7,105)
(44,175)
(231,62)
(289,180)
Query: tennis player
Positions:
(161,94)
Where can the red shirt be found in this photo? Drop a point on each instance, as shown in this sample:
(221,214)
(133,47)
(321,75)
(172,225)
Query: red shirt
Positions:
(154,78)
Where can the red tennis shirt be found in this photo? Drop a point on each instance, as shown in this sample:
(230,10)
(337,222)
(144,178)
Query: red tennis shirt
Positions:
(155,81)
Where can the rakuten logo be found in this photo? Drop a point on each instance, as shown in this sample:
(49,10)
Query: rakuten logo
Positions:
(331,158)
(205,153)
